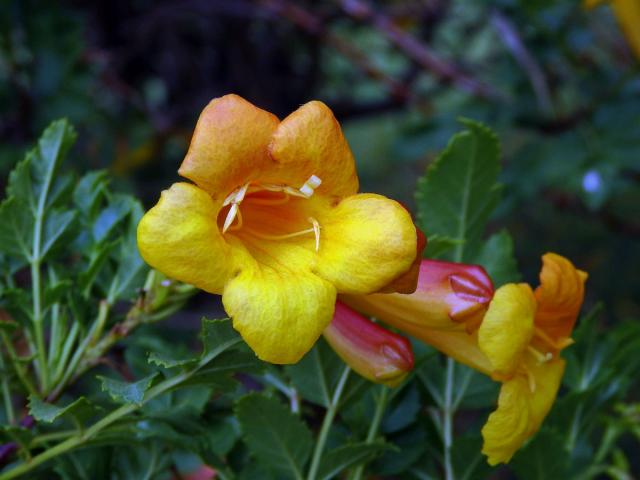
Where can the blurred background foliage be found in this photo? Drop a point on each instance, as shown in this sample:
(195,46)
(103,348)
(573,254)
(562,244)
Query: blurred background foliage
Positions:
(557,81)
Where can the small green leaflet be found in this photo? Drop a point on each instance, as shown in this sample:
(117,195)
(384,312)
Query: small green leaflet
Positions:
(125,392)
(348,456)
(459,191)
(278,438)
(81,410)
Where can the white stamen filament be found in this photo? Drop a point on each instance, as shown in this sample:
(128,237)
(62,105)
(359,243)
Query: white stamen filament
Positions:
(236,197)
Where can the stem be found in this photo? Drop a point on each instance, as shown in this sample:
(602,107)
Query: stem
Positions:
(381,405)
(91,432)
(38,321)
(6,393)
(447,421)
(326,425)
(15,361)
(91,336)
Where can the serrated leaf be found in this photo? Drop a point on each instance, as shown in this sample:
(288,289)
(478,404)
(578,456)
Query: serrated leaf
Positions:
(88,192)
(459,191)
(348,456)
(111,216)
(16,234)
(125,392)
(99,256)
(277,437)
(317,374)
(166,361)
(56,224)
(81,409)
(497,257)
(217,335)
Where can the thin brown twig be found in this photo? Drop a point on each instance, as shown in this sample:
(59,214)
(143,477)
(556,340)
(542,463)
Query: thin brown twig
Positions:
(312,24)
(445,71)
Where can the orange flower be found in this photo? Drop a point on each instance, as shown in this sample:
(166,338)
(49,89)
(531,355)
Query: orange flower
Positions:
(274,224)
(514,335)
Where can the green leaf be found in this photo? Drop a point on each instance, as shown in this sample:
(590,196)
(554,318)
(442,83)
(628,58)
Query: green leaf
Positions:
(217,335)
(438,245)
(165,361)
(317,374)
(16,234)
(19,435)
(542,458)
(56,224)
(277,437)
(125,392)
(348,456)
(459,191)
(81,410)
(496,256)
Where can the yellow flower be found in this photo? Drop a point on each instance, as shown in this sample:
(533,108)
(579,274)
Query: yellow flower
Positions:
(517,341)
(627,14)
(522,335)
(273,222)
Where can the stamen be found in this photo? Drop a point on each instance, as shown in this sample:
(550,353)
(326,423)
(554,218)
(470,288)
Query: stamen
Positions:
(540,357)
(231,215)
(238,225)
(316,231)
(531,379)
(267,236)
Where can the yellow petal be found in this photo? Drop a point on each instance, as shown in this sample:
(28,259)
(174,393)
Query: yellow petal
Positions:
(548,377)
(180,238)
(628,15)
(310,142)
(559,296)
(229,146)
(366,242)
(278,313)
(508,426)
(521,409)
(507,328)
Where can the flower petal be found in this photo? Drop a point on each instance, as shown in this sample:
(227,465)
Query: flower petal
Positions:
(508,426)
(559,296)
(374,352)
(507,328)
(279,314)
(310,142)
(180,238)
(229,146)
(366,241)
(521,410)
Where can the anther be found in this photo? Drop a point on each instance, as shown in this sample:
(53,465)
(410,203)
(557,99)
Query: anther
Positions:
(310,185)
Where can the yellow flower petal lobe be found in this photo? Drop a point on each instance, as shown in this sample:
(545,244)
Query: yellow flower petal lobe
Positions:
(279,314)
(310,142)
(229,146)
(366,242)
(180,238)
(507,328)
(521,410)
(559,296)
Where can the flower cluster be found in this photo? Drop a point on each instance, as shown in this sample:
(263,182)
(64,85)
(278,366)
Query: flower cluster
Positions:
(273,222)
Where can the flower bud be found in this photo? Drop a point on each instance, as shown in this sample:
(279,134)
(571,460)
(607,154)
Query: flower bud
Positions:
(448,296)
(372,351)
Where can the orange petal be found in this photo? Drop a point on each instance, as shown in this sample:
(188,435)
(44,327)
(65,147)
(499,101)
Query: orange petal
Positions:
(229,146)
(310,142)
(559,296)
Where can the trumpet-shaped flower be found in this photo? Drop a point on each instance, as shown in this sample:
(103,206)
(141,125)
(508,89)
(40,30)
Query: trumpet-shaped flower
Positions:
(273,222)
(514,335)
(522,335)
(371,350)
